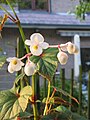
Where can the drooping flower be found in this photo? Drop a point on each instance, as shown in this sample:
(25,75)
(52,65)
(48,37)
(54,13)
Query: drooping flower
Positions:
(37,44)
(30,68)
(15,64)
(62,57)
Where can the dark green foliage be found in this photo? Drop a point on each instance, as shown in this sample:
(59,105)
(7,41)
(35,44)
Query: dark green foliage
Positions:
(11,1)
(63,114)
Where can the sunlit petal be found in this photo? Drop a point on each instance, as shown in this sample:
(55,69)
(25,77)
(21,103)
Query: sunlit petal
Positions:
(28,42)
(37,37)
(64,46)
(10,59)
(10,69)
(44,45)
(21,63)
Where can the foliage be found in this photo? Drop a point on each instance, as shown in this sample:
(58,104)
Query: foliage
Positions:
(2,60)
(11,1)
(82,9)
(61,113)
(12,103)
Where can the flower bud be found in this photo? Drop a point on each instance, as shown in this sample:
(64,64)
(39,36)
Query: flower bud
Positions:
(62,57)
(72,48)
(29,68)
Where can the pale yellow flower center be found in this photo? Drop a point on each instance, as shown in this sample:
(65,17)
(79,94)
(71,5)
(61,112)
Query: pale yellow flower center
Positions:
(14,62)
(35,47)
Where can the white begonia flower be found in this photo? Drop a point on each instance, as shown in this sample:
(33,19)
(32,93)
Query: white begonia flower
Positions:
(72,48)
(62,57)
(30,68)
(37,44)
(15,64)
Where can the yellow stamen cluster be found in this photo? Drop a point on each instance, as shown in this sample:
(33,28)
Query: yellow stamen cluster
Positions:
(14,62)
(35,47)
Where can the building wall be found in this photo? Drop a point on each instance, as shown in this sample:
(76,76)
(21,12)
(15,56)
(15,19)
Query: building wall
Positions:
(63,6)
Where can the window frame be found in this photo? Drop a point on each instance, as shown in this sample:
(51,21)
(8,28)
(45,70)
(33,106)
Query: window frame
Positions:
(34,8)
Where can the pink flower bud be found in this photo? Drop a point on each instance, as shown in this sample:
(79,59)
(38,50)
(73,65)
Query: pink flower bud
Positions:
(30,68)
(62,57)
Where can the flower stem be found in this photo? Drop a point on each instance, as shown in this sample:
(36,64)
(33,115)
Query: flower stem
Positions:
(46,106)
(22,35)
(8,2)
(35,110)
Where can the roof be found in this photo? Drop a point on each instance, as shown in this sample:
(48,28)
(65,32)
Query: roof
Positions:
(46,20)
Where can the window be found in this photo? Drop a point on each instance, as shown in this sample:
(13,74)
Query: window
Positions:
(33,4)
(85,58)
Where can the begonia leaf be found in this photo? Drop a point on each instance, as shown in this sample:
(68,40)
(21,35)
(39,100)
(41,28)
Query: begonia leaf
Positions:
(47,62)
(11,103)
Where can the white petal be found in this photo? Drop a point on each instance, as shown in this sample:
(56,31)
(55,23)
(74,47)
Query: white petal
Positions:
(21,63)
(10,69)
(28,42)
(37,37)
(36,52)
(44,45)
(63,47)
(9,59)
(16,67)
(29,69)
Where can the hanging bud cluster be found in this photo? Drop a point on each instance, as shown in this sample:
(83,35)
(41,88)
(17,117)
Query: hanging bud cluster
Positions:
(37,45)
(70,48)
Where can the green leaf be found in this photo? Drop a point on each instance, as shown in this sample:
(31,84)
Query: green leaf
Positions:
(26,91)
(47,62)
(2,60)
(44,100)
(23,101)
(60,109)
(24,114)
(19,77)
(65,93)
(11,103)
(62,114)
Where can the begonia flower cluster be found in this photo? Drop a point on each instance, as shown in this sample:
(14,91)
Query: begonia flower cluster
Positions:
(37,45)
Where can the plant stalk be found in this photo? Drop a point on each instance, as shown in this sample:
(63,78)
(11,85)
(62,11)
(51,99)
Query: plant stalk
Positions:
(46,106)
(35,110)
(22,35)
